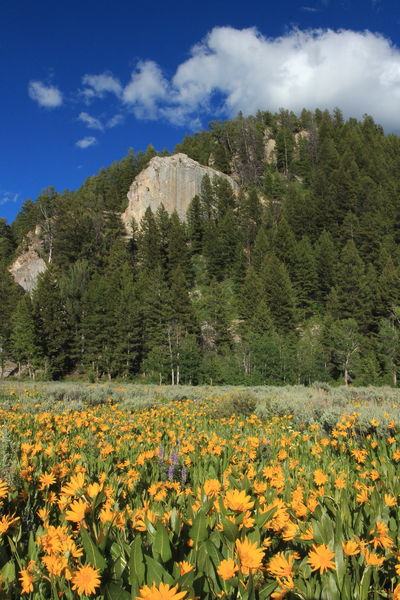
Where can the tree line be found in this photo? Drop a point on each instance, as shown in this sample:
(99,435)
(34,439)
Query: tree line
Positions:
(294,280)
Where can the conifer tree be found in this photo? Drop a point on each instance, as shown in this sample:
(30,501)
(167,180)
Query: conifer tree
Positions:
(284,245)
(53,324)
(350,282)
(305,279)
(9,294)
(195,223)
(279,293)
(24,337)
(326,264)
(149,242)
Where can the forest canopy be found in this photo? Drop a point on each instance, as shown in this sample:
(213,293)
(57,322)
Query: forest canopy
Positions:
(294,280)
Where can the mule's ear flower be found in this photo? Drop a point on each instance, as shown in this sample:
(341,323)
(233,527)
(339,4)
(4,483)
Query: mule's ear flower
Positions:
(320,558)
(250,556)
(162,592)
(351,548)
(238,500)
(227,569)
(77,511)
(86,580)
(26,580)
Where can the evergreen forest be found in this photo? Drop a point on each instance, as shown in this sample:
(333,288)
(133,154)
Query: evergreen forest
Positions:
(294,280)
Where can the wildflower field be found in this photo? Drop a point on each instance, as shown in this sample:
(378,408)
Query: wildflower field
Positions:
(218,495)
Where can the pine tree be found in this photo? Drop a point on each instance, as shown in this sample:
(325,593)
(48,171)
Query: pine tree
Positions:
(24,336)
(326,264)
(73,285)
(195,222)
(149,254)
(284,245)
(305,279)
(53,324)
(279,293)
(350,282)
(178,252)
(388,289)
(9,294)
(261,248)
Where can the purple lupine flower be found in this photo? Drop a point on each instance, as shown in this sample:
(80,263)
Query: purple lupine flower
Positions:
(161,452)
(183,475)
(174,458)
(171,472)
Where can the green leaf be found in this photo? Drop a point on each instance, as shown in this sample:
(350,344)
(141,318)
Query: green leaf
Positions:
(198,532)
(156,573)
(262,518)
(115,592)
(230,529)
(365,581)
(93,554)
(136,563)
(8,571)
(267,590)
(161,544)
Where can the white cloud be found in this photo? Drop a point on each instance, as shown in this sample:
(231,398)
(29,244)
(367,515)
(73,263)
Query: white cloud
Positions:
(235,70)
(8,198)
(45,95)
(86,142)
(146,90)
(99,85)
(90,121)
(114,121)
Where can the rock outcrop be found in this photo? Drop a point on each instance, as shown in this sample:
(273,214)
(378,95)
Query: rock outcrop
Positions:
(172,181)
(29,264)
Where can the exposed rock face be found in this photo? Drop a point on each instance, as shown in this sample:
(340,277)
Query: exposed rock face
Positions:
(172,181)
(28,266)
(8,369)
(269,151)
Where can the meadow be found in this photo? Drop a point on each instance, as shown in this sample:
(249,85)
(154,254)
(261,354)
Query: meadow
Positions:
(119,492)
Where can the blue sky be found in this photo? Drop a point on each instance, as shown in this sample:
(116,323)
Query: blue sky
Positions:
(84,80)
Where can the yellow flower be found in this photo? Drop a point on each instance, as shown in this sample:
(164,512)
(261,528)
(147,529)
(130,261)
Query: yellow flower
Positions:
(320,558)
(162,592)
(319,477)
(390,500)
(55,565)
(285,585)
(46,480)
(340,483)
(371,558)
(381,537)
(184,567)
(250,556)
(86,579)
(6,521)
(75,485)
(238,500)
(26,580)
(3,489)
(93,489)
(77,511)
(351,548)
(281,567)
(362,496)
(212,487)
(227,569)
(396,592)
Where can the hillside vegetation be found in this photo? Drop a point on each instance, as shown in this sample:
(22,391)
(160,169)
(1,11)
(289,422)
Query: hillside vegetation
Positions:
(296,280)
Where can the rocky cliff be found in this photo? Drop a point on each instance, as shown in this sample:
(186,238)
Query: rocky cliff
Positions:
(29,264)
(172,181)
